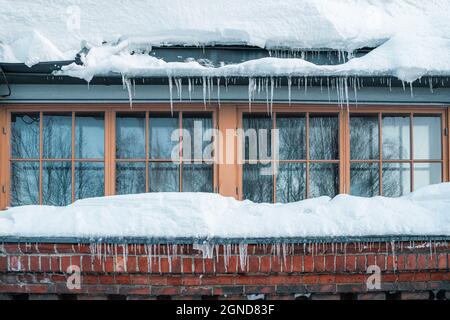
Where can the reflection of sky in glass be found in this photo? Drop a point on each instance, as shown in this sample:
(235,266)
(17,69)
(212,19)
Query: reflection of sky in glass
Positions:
(426,174)
(89,136)
(130,136)
(25,136)
(161,129)
(396,139)
(396,179)
(57,136)
(427,138)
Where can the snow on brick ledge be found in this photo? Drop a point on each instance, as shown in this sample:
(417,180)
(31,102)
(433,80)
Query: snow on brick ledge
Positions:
(408,270)
(208,216)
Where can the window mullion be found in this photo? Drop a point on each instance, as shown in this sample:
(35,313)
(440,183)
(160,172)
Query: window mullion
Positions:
(40,154)
(73,156)
(147,141)
(180,126)
(411,151)
(274,160)
(380,152)
(307,156)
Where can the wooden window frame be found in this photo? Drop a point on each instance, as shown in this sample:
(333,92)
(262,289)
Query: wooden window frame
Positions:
(109,159)
(305,110)
(411,112)
(147,160)
(227,178)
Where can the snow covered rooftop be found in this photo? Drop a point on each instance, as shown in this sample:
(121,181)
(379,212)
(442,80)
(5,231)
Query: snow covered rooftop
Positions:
(425,212)
(412,37)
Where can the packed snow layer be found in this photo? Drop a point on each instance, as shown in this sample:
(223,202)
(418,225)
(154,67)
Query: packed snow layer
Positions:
(413,34)
(205,215)
(407,58)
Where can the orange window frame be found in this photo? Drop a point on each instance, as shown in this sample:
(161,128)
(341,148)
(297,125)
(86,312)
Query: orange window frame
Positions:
(227,178)
(109,159)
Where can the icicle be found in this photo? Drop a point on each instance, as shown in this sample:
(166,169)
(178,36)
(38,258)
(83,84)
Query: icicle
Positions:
(170,94)
(346,92)
(179,87)
(289,81)
(218,91)
(271,95)
(393,255)
(204,91)
(210,85)
(126,83)
(250,91)
(411,89)
(190,89)
(243,255)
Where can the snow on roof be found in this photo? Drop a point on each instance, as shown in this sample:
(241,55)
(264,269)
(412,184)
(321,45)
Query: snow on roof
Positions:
(413,36)
(207,215)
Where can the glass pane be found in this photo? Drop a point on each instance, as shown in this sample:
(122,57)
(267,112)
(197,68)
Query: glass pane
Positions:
(199,137)
(57,135)
(396,137)
(130,177)
(25,136)
(257,182)
(324,179)
(89,136)
(291,182)
(197,178)
(164,177)
(161,130)
(396,179)
(292,137)
(89,180)
(130,136)
(56,183)
(324,137)
(24,183)
(257,137)
(364,138)
(364,179)
(426,174)
(427,137)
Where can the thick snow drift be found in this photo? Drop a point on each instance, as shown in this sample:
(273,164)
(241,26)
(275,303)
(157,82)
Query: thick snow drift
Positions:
(413,35)
(424,212)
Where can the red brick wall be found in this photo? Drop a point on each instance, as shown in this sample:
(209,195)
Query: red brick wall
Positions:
(308,271)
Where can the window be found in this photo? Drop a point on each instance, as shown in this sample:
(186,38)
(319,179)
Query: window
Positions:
(54,157)
(393,154)
(306,164)
(60,154)
(148,149)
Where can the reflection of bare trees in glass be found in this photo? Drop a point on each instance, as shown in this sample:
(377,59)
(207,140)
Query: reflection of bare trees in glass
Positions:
(56,163)
(257,187)
(24,183)
(324,145)
(89,180)
(364,145)
(24,145)
(291,182)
